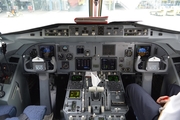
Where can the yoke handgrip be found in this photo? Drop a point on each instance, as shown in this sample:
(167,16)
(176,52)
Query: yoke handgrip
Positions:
(39,62)
(138,61)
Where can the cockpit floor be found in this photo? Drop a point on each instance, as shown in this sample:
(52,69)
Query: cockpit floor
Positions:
(48,117)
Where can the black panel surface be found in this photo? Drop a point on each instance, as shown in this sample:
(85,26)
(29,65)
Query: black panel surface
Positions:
(83,63)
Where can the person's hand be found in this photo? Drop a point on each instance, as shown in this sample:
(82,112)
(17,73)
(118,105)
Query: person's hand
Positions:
(163,100)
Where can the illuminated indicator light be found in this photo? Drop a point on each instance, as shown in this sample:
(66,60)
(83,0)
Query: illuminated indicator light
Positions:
(76,78)
(113,78)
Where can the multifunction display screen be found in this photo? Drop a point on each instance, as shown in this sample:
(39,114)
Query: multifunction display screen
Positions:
(113,78)
(74,94)
(143,51)
(76,78)
(83,63)
(46,51)
(108,63)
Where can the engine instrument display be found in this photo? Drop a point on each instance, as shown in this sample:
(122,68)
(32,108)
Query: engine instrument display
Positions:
(113,78)
(46,51)
(76,78)
(108,63)
(83,63)
(74,94)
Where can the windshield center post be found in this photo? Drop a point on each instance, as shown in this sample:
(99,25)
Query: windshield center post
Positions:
(95,8)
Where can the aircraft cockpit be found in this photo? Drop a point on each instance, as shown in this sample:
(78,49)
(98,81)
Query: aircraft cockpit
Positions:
(81,71)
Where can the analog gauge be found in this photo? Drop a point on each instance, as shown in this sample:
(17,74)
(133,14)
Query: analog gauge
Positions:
(65,48)
(60,56)
(128,53)
(33,53)
(69,56)
(65,65)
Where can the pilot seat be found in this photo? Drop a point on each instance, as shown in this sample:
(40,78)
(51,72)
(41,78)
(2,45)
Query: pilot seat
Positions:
(7,111)
(31,112)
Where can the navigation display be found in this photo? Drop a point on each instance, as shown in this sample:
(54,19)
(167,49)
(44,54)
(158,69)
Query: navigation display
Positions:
(74,94)
(46,51)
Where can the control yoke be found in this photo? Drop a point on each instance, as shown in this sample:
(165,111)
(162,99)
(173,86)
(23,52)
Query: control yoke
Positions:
(39,65)
(152,66)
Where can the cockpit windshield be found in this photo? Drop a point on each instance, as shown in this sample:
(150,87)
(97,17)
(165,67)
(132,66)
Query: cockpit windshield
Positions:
(18,15)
